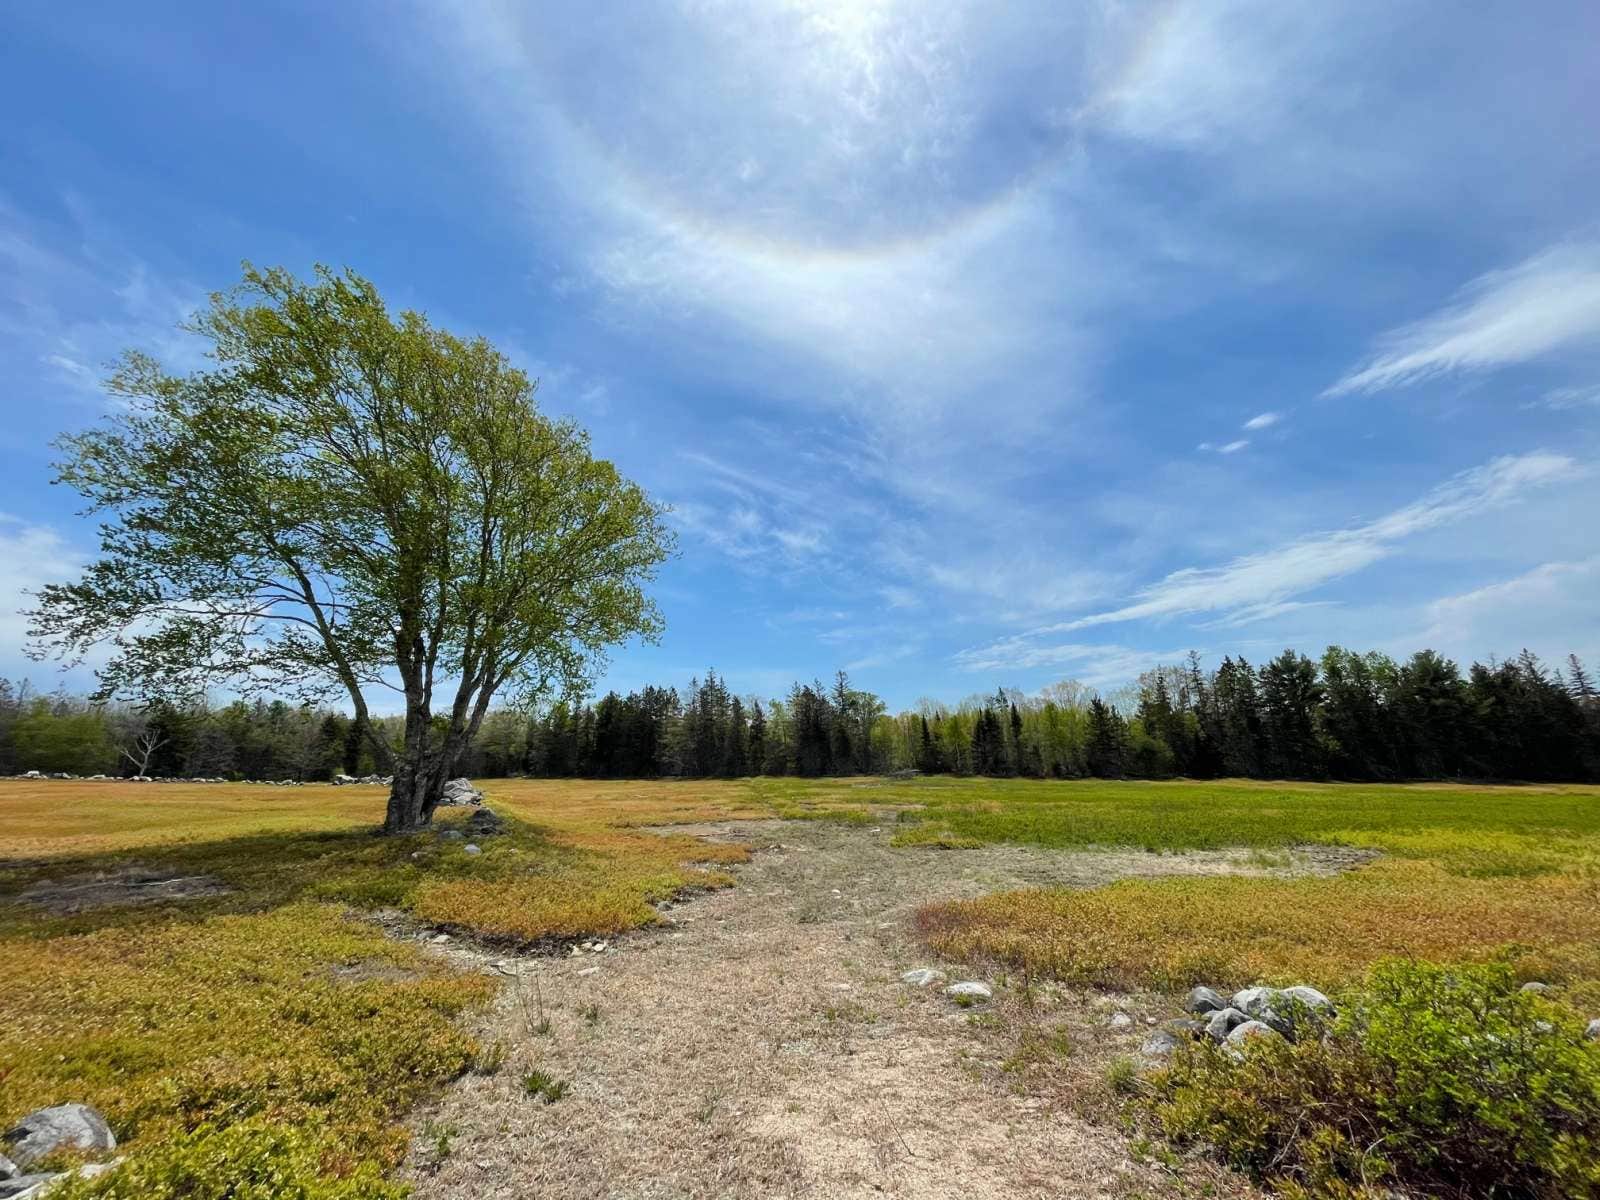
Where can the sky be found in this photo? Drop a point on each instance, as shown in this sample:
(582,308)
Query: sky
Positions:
(972,345)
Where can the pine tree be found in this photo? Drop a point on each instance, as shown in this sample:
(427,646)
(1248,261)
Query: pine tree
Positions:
(1016,741)
(735,756)
(758,739)
(928,753)
(1578,681)
(1290,698)
(1107,749)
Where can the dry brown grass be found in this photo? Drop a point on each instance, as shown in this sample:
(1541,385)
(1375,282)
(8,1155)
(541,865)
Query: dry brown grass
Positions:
(761,1044)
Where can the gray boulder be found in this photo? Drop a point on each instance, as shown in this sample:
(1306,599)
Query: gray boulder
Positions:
(1221,1024)
(1252,1000)
(1204,1000)
(460,791)
(64,1127)
(8,1169)
(1248,1032)
(470,848)
(25,1187)
(37,1186)
(484,822)
(1314,1000)
(1285,1010)
(1186,1028)
(1161,1044)
(922,977)
(970,991)
(1533,985)
(1268,1006)
(1593,1030)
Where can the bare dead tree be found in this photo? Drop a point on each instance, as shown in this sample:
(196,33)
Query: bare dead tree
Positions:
(141,748)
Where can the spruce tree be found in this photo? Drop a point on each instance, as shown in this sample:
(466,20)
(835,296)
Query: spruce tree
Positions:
(758,739)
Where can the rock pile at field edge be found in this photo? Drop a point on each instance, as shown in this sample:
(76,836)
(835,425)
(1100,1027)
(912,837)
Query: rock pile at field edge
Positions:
(42,1133)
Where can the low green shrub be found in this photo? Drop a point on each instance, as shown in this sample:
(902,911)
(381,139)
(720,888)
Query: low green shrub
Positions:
(1446,1081)
(256,1159)
(543,1086)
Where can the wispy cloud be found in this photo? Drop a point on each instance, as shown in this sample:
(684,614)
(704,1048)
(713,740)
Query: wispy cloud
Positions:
(73,300)
(1263,420)
(34,555)
(1547,303)
(1259,585)
(1549,609)
(1096,665)
(1572,397)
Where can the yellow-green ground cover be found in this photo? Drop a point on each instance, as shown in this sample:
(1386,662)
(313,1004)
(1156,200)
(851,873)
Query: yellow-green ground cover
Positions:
(1467,873)
(274,1016)
(275,1025)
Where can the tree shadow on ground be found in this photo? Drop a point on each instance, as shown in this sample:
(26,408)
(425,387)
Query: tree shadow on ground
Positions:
(190,881)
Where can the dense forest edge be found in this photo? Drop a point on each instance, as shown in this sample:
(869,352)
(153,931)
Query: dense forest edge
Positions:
(1347,716)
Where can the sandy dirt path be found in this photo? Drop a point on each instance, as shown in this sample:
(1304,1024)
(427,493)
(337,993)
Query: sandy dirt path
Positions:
(760,1042)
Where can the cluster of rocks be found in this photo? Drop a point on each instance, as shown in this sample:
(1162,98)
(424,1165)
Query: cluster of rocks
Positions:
(1255,1012)
(964,992)
(1288,1013)
(154,779)
(41,1134)
(346,780)
(482,824)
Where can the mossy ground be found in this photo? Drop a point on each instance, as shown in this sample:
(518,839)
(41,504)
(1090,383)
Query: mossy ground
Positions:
(1468,873)
(275,1005)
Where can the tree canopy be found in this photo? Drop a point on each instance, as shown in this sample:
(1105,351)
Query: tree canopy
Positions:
(345,500)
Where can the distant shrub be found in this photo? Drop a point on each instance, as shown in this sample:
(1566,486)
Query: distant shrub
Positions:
(1445,1080)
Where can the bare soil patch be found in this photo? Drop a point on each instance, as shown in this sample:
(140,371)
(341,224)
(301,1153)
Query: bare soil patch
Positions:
(759,1042)
(121,888)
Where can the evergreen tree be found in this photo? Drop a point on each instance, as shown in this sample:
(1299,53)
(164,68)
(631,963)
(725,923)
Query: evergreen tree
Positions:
(758,739)
(735,760)
(1107,749)
(1427,702)
(1015,746)
(1238,718)
(1290,698)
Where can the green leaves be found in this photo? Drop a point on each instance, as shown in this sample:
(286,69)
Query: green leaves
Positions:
(345,497)
(1444,1079)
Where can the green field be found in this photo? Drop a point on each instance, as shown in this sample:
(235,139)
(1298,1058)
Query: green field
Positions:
(1465,872)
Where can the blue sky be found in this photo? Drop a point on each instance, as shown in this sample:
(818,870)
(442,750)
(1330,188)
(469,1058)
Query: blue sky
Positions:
(973,345)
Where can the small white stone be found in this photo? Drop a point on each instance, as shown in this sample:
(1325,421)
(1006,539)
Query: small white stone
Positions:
(1121,1020)
(922,977)
(472,848)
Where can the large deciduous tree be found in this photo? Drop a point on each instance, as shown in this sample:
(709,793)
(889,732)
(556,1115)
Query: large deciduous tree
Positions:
(346,499)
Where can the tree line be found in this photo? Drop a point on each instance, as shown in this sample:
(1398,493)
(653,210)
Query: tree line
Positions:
(1345,716)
